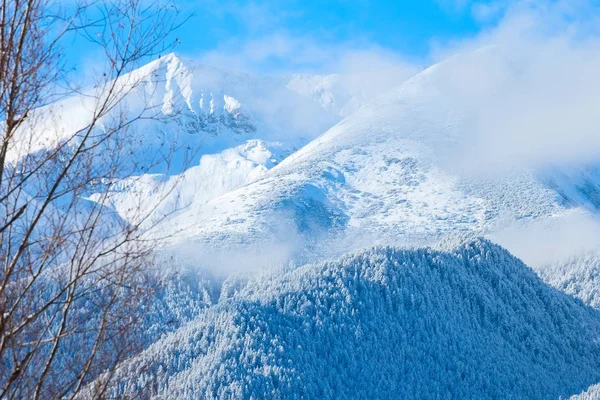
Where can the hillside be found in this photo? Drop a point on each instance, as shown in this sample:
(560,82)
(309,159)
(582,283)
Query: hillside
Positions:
(474,322)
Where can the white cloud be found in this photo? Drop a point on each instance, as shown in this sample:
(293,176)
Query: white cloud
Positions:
(282,52)
(454,6)
(528,88)
(278,51)
(486,12)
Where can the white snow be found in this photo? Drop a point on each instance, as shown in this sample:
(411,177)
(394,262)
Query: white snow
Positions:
(383,170)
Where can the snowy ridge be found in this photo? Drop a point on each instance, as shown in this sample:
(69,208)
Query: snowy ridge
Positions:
(471,323)
(383,169)
(207,131)
(199,107)
(215,175)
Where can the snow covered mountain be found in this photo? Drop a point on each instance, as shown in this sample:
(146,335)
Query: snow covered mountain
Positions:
(389,169)
(266,172)
(470,322)
(386,169)
(215,108)
(207,130)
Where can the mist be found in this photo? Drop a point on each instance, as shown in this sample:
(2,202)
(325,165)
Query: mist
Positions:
(527,89)
(552,240)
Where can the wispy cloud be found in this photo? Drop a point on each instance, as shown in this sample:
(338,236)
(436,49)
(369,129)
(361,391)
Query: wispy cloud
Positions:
(454,6)
(282,53)
(489,11)
(267,37)
(527,88)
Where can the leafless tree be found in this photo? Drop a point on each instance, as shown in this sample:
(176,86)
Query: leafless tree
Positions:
(72,274)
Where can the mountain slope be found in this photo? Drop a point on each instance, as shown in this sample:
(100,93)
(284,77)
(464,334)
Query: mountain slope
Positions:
(390,167)
(189,103)
(200,129)
(474,322)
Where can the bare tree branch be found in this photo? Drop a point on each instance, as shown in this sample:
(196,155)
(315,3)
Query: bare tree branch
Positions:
(72,271)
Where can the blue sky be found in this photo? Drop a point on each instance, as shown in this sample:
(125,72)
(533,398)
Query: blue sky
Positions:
(270,36)
(265,36)
(406,27)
